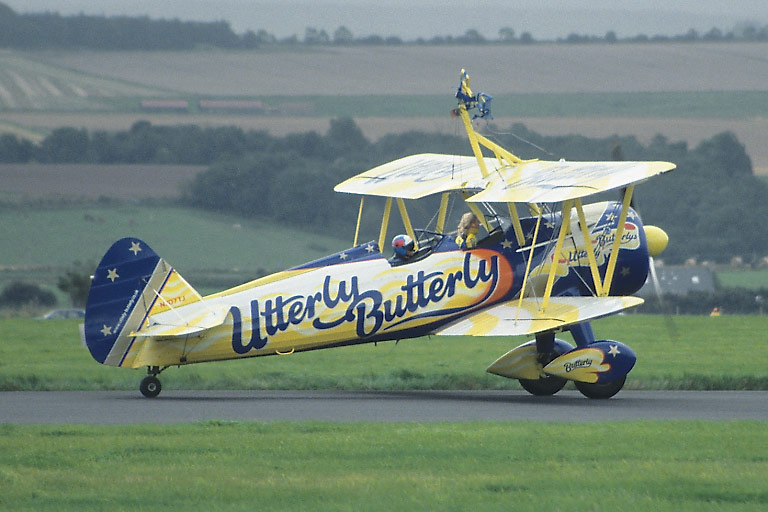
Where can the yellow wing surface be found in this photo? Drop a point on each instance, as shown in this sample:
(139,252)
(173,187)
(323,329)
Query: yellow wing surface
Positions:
(550,182)
(519,318)
(418,176)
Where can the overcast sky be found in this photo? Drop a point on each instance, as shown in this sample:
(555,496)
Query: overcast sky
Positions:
(409,19)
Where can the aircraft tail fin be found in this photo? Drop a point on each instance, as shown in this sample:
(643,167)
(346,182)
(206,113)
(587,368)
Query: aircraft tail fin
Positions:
(131,283)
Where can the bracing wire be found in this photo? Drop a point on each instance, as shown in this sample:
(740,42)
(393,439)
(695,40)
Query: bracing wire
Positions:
(521,139)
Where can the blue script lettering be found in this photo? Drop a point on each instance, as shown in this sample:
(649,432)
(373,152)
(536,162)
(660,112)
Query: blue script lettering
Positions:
(367,310)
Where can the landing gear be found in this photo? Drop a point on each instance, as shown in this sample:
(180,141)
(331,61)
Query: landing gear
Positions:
(544,386)
(150,385)
(601,390)
(548,349)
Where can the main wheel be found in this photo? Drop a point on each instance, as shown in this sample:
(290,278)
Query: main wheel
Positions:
(544,386)
(150,386)
(601,390)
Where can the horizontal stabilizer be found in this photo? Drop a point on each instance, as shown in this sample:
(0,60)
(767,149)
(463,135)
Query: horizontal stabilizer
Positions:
(198,323)
(515,318)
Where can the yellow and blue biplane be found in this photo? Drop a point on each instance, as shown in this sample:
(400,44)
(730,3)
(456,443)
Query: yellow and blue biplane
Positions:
(549,264)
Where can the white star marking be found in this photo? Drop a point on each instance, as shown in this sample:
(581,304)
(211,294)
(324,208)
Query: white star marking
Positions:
(614,350)
(507,244)
(369,248)
(112,274)
(106,331)
(135,248)
(343,255)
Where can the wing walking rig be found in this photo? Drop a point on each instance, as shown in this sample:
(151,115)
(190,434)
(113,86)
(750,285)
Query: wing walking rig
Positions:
(550,264)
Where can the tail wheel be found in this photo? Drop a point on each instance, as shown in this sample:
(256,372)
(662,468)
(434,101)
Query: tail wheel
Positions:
(150,386)
(601,390)
(544,386)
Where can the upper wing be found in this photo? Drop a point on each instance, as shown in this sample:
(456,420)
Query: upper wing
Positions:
(421,175)
(417,176)
(551,182)
(514,319)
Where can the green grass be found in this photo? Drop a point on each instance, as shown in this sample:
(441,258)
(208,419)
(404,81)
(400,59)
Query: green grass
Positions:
(189,239)
(748,278)
(728,352)
(640,465)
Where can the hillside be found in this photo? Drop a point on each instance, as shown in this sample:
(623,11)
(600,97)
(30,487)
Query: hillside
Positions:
(685,92)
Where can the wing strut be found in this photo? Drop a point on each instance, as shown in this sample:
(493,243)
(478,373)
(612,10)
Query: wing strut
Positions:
(440,227)
(385,223)
(590,250)
(617,240)
(407,223)
(516,224)
(528,265)
(359,218)
(565,227)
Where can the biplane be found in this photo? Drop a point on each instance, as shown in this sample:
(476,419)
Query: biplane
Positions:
(547,264)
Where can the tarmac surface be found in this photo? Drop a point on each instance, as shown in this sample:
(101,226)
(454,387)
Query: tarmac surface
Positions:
(129,407)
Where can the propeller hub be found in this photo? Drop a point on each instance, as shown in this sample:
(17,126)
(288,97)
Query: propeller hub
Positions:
(657,240)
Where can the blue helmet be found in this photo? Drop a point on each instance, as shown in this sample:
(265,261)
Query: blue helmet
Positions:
(402,244)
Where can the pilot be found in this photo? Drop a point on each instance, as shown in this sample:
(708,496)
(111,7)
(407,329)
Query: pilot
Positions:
(403,246)
(469,225)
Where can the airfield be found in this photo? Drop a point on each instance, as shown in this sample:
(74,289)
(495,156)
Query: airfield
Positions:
(239,445)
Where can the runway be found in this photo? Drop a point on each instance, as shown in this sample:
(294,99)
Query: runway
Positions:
(129,407)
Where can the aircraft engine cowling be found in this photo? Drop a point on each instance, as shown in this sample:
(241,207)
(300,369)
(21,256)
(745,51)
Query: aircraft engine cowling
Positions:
(657,240)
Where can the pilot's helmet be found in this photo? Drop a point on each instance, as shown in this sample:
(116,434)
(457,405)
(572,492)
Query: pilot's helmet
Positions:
(402,244)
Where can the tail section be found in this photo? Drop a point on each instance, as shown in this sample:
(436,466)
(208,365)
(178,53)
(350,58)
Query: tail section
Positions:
(131,283)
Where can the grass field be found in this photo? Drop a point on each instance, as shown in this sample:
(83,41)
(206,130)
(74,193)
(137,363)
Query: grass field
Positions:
(27,83)
(640,465)
(744,278)
(432,70)
(48,240)
(696,353)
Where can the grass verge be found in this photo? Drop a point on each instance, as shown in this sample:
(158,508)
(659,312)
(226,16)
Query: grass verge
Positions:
(639,465)
(682,352)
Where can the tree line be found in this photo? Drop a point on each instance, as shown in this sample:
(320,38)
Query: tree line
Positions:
(51,30)
(712,206)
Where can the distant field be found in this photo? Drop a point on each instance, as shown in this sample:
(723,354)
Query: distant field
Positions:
(750,279)
(29,84)
(93,181)
(188,238)
(683,91)
(434,70)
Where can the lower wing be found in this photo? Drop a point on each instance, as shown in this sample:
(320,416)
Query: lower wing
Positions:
(518,318)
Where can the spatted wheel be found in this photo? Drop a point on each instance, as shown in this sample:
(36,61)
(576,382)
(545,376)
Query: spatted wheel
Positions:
(601,390)
(545,386)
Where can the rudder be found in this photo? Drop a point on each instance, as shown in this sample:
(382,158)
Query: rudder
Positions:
(127,287)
